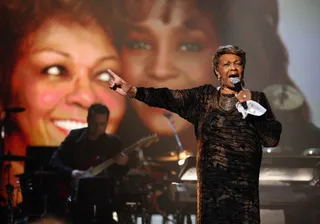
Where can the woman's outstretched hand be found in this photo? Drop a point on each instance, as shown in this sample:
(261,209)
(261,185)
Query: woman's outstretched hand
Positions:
(120,86)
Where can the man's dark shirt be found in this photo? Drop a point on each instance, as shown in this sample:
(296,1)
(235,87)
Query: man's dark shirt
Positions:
(78,152)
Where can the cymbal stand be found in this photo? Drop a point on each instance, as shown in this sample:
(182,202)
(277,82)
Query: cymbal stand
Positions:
(45,195)
(145,215)
(1,140)
(9,189)
(180,147)
(7,168)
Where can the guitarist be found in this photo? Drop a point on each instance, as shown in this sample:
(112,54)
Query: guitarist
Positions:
(87,147)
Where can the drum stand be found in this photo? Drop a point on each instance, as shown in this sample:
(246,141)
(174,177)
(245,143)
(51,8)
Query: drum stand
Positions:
(7,168)
(145,214)
(179,216)
(45,206)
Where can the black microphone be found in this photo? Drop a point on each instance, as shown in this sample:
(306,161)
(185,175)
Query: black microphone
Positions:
(237,84)
(14,109)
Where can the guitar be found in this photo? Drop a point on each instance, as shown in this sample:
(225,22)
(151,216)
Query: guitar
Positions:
(94,171)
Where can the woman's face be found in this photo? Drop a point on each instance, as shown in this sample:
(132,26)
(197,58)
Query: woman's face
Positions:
(174,54)
(230,66)
(59,74)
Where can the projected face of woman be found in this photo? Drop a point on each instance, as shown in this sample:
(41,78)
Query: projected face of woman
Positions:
(174,54)
(60,73)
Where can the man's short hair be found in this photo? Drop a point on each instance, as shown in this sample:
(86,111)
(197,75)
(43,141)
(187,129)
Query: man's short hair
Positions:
(98,109)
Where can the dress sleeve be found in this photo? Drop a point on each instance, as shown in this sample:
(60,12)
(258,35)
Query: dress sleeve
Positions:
(187,103)
(269,129)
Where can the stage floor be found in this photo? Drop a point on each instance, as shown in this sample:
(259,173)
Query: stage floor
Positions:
(267,217)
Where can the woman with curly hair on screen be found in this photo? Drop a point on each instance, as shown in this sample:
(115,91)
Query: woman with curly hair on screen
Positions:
(53,60)
(169,43)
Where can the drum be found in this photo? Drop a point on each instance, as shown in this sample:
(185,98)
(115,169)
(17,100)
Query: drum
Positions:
(132,196)
(39,193)
(94,200)
(157,172)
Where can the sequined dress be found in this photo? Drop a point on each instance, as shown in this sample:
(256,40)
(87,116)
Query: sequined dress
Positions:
(229,149)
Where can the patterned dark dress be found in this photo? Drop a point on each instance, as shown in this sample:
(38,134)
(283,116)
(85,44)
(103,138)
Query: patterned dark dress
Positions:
(229,149)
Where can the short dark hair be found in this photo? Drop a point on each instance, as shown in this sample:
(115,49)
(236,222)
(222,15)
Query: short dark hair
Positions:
(227,49)
(99,109)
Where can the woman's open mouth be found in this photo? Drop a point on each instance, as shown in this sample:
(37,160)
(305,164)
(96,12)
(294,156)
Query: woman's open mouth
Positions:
(232,76)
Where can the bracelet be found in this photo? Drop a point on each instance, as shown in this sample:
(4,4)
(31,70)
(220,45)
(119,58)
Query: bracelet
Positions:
(132,92)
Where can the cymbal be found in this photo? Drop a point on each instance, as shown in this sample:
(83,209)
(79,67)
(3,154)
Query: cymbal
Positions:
(151,163)
(44,173)
(137,172)
(173,157)
(153,168)
(37,174)
(284,97)
(14,109)
(166,158)
(15,158)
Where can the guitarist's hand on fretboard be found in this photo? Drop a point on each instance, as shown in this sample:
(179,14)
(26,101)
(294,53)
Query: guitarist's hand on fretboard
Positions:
(121,159)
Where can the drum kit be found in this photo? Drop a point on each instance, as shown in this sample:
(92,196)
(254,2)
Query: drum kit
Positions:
(141,190)
(9,186)
(146,187)
(141,193)
(35,188)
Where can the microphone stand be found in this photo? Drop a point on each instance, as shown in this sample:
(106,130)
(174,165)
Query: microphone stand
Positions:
(179,214)
(180,148)
(2,131)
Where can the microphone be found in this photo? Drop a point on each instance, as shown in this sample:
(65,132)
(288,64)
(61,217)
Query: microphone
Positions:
(14,109)
(237,84)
